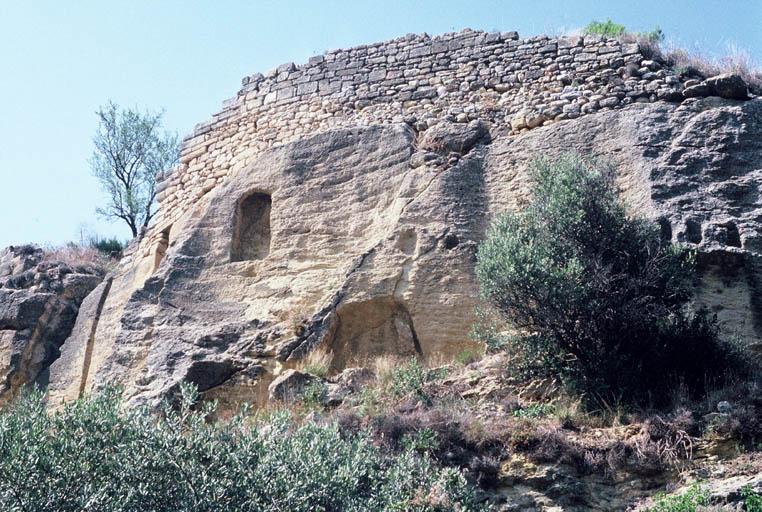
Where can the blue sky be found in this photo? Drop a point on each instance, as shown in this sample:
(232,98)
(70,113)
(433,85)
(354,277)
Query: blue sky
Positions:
(62,59)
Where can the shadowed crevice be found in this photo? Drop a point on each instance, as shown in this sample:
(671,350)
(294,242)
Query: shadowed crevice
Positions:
(91,336)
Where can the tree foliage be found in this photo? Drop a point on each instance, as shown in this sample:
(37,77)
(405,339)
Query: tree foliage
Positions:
(595,296)
(111,247)
(130,149)
(98,455)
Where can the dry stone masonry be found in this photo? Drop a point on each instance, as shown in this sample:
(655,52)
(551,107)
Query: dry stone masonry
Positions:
(513,84)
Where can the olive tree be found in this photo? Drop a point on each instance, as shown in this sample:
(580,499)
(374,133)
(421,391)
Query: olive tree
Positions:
(596,296)
(98,454)
(130,149)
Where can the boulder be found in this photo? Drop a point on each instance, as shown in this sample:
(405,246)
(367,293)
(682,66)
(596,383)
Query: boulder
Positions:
(728,85)
(454,137)
(701,90)
(290,385)
(354,379)
(348,382)
(39,302)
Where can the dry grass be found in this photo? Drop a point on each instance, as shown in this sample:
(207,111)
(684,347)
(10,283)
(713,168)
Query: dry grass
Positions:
(555,429)
(298,319)
(462,439)
(695,63)
(736,61)
(77,256)
(476,443)
(317,362)
(650,48)
(384,367)
(538,423)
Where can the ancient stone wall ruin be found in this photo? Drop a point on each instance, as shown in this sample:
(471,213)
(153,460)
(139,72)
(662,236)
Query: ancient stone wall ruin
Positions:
(514,84)
(338,206)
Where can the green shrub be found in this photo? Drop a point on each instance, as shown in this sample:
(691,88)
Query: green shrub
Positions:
(424,440)
(604,28)
(369,401)
(111,247)
(488,330)
(752,500)
(314,394)
(98,455)
(467,356)
(534,411)
(407,379)
(316,370)
(689,501)
(594,296)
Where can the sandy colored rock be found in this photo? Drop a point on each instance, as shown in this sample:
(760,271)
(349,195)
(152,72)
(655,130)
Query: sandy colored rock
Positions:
(39,302)
(290,385)
(345,241)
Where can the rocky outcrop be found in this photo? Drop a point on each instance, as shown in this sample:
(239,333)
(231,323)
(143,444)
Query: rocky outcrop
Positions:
(726,85)
(290,385)
(508,82)
(695,168)
(362,242)
(339,205)
(39,301)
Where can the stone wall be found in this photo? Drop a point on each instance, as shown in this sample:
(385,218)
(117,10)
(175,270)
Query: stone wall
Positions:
(513,84)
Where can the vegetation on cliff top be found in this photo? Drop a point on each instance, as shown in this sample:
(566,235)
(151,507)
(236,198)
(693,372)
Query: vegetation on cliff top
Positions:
(684,61)
(130,150)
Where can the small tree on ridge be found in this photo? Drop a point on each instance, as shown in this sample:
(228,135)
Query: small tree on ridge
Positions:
(130,149)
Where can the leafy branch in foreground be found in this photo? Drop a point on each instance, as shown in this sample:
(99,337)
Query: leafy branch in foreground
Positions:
(96,454)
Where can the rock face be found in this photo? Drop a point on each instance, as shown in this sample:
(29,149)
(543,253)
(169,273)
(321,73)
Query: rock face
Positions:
(362,242)
(695,169)
(729,85)
(290,385)
(516,84)
(39,301)
(339,205)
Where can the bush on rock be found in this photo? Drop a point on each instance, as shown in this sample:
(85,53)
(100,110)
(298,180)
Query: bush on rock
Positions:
(595,296)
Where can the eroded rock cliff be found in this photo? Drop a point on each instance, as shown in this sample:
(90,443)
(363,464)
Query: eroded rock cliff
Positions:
(362,242)
(339,204)
(39,302)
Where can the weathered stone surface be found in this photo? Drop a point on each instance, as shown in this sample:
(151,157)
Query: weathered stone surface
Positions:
(76,351)
(39,300)
(729,85)
(694,166)
(367,250)
(698,91)
(339,204)
(456,137)
(290,385)
(354,379)
(424,80)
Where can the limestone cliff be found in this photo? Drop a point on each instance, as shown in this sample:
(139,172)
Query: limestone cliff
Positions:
(340,204)
(39,302)
(362,241)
